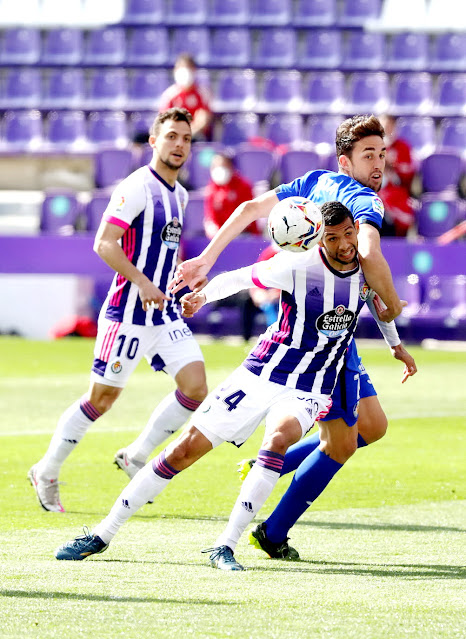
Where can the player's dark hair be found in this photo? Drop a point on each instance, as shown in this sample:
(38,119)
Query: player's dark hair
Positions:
(335,213)
(354,129)
(178,114)
(185,59)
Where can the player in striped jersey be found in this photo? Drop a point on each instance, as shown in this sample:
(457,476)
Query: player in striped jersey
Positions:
(139,239)
(287,379)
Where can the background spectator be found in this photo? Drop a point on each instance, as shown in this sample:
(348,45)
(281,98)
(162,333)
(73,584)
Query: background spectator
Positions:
(226,190)
(399,174)
(186,93)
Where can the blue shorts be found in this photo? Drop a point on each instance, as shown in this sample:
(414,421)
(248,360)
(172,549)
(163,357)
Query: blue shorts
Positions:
(352,385)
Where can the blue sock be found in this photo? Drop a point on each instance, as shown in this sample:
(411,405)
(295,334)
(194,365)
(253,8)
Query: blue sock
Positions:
(309,481)
(298,453)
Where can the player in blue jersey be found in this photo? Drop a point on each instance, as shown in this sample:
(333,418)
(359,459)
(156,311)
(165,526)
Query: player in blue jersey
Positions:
(287,379)
(361,156)
(139,239)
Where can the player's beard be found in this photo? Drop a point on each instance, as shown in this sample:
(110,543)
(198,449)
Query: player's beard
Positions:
(349,261)
(170,165)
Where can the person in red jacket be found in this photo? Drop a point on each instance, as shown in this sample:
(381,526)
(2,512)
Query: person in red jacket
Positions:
(186,93)
(398,177)
(226,190)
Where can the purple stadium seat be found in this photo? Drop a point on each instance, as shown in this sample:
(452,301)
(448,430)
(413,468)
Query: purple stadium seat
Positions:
(107,129)
(407,52)
(275,48)
(22,89)
(281,92)
(107,87)
(193,225)
(189,12)
(324,92)
(411,94)
(146,87)
(320,130)
(283,129)
(270,13)
(236,90)
(319,49)
(140,122)
(59,212)
(452,135)
(20,46)
(441,171)
(236,128)
(451,95)
(66,129)
(419,133)
(105,46)
(144,12)
(199,163)
(95,209)
(147,46)
(254,163)
(193,40)
(230,48)
(409,288)
(363,51)
(297,162)
(22,130)
(314,13)
(448,52)
(437,215)
(228,13)
(368,93)
(64,88)
(62,46)
(112,166)
(355,13)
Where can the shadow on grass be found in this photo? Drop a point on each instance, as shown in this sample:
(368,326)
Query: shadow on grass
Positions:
(330,525)
(88,597)
(397,571)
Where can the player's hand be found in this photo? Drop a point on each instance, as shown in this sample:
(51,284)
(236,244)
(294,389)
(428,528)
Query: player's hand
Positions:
(386,314)
(151,296)
(400,353)
(192,273)
(191,303)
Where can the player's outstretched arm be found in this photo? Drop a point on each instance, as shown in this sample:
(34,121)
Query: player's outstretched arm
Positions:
(377,271)
(400,353)
(193,272)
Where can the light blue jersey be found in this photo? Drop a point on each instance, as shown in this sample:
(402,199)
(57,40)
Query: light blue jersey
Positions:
(327,186)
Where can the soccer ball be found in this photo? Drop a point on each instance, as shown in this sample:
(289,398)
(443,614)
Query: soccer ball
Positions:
(295,224)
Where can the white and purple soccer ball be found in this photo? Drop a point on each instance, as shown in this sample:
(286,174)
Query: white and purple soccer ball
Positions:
(296,224)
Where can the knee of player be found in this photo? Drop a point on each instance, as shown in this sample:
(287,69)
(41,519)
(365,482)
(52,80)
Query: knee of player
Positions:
(340,450)
(195,387)
(374,429)
(104,400)
(277,442)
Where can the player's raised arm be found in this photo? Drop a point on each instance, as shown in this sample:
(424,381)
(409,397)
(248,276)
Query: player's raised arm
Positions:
(193,272)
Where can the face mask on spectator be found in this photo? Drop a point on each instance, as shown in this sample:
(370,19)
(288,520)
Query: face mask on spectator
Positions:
(184,77)
(221,175)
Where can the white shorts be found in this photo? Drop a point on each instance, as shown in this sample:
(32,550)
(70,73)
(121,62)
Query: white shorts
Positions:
(234,410)
(120,347)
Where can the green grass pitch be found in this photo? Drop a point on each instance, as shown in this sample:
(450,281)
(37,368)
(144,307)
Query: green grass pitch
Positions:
(382,549)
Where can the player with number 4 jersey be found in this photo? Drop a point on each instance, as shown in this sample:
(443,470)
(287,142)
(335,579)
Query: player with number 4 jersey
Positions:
(138,238)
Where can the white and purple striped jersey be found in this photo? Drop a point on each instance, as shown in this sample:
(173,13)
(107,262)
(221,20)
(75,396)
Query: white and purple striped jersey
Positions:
(305,347)
(151,212)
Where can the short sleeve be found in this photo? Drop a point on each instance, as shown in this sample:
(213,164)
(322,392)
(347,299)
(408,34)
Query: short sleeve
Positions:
(292,189)
(277,272)
(127,201)
(368,209)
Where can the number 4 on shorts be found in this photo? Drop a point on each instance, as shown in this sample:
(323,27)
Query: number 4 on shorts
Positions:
(234,399)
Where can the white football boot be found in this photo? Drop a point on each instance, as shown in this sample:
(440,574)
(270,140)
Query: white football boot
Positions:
(46,490)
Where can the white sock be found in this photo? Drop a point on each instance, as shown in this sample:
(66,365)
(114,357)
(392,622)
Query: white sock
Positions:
(166,419)
(144,487)
(71,428)
(255,490)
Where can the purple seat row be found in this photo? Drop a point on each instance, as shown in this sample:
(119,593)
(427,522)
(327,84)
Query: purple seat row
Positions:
(277,47)
(408,93)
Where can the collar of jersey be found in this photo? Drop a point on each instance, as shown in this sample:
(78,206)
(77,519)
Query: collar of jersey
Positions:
(334,270)
(155,174)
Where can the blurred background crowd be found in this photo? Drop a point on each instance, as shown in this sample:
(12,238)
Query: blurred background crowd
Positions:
(268,82)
